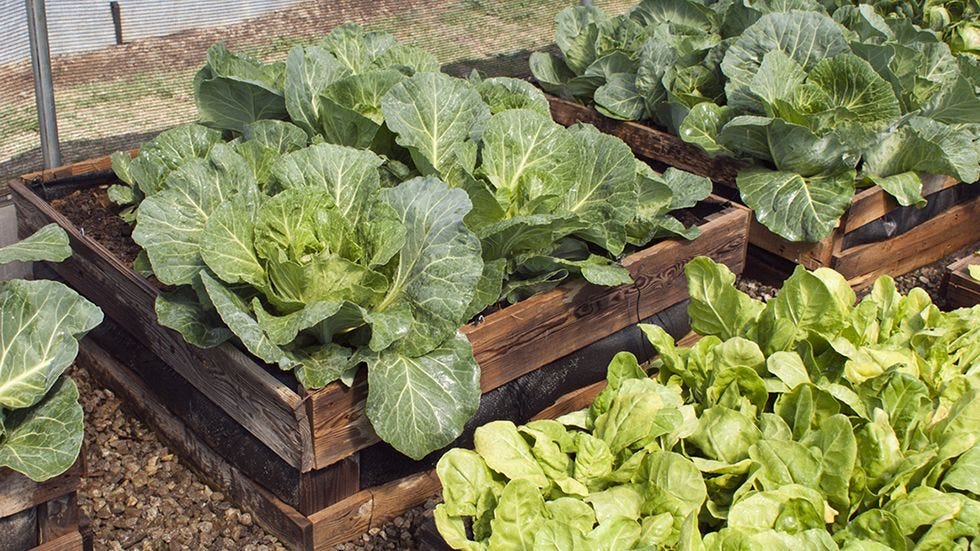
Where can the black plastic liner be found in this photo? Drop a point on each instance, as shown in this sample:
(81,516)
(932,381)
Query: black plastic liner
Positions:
(19,531)
(903,219)
(524,397)
(63,186)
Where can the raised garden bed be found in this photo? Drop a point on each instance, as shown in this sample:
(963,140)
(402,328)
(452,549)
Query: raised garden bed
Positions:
(308,463)
(961,290)
(42,516)
(875,236)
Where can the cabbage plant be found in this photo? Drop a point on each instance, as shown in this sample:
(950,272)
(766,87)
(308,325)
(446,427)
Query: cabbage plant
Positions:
(824,98)
(547,201)
(808,422)
(40,325)
(330,271)
(352,205)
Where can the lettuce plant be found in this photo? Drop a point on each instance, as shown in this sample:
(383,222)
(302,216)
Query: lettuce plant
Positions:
(826,98)
(352,205)
(40,324)
(809,422)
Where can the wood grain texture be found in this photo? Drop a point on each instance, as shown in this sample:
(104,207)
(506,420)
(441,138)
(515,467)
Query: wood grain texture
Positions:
(97,164)
(72,541)
(961,290)
(873,203)
(272,411)
(811,255)
(17,492)
(285,522)
(650,142)
(927,242)
(371,508)
(507,343)
(324,487)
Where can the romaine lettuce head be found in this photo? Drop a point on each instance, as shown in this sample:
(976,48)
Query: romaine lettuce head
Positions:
(809,422)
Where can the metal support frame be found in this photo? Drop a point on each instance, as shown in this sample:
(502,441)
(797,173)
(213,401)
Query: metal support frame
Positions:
(37,27)
(116,13)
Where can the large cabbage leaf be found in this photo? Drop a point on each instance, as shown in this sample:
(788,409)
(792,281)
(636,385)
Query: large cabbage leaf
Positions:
(391,204)
(298,275)
(818,91)
(40,417)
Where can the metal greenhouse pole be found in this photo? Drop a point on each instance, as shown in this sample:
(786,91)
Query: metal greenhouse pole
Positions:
(37,27)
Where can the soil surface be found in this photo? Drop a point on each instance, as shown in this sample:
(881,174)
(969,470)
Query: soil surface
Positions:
(97,217)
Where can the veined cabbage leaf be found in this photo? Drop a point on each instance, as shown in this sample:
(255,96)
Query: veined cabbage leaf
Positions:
(40,417)
(816,93)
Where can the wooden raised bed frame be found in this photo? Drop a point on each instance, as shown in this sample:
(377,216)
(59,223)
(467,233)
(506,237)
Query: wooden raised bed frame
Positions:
(315,436)
(48,511)
(860,264)
(961,290)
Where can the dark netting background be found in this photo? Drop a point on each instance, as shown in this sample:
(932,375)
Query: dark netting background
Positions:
(110,96)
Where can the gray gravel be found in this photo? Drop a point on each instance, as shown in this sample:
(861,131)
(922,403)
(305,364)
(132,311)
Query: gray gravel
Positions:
(140,496)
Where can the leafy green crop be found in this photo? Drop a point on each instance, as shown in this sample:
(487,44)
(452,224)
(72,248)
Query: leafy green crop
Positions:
(955,20)
(809,422)
(824,101)
(353,205)
(40,417)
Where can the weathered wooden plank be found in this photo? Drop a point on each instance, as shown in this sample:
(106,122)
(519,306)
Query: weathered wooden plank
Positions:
(961,290)
(285,522)
(650,142)
(811,255)
(871,204)
(273,412)
(370,508)
(212,425)
(323,487)
(57,517)
(927,242)
(17,492)
(97,164)
(72,541)
(507,343)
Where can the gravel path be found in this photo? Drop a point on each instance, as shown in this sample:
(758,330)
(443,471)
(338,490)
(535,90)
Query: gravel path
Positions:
(140,496)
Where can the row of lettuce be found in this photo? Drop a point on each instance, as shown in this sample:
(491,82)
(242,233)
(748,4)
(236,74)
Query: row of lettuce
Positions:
(808,422)
(42,321)
(825,96)
(353,205)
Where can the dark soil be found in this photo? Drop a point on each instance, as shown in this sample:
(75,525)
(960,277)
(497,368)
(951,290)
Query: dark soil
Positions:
(98,218)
